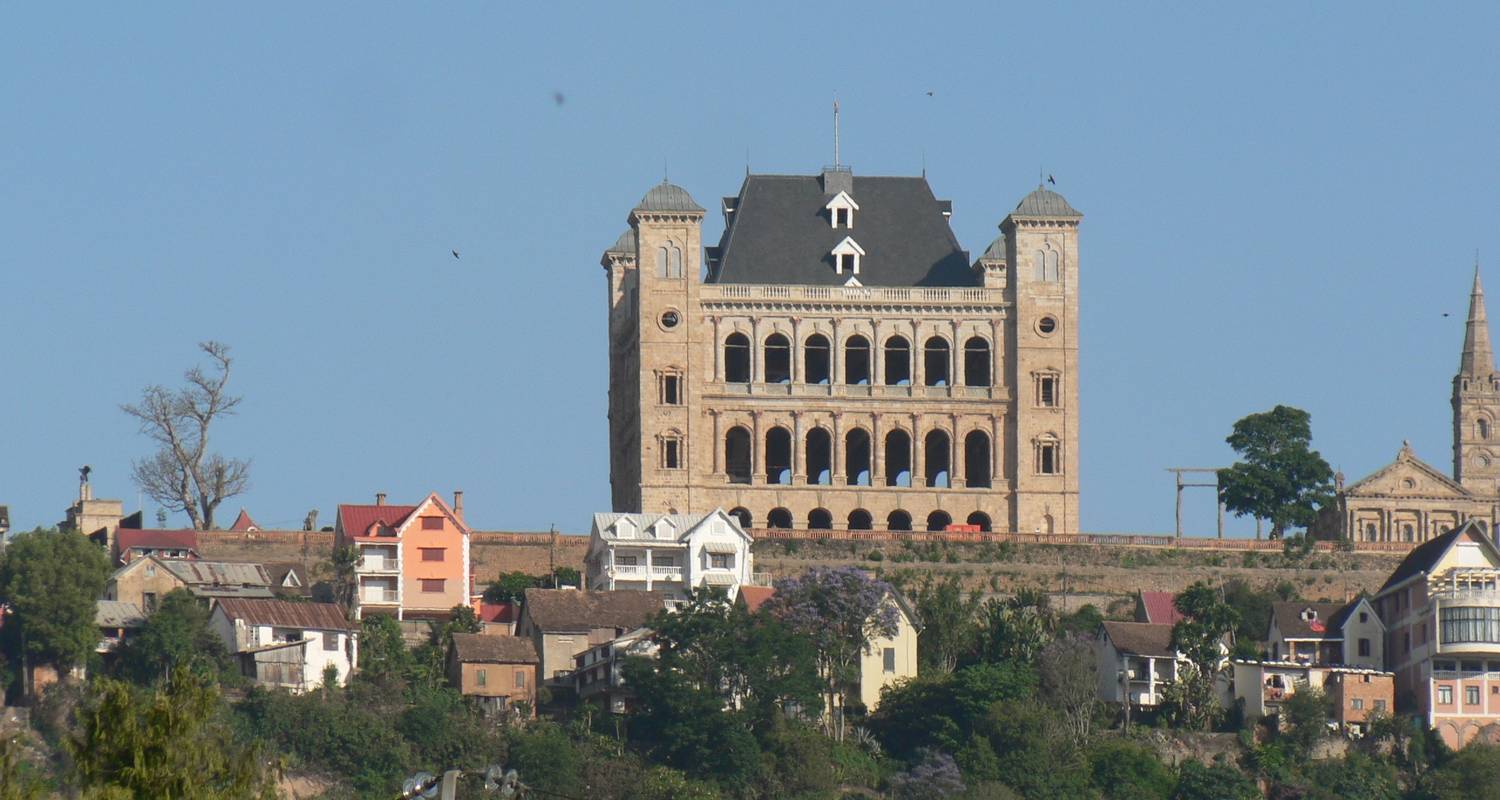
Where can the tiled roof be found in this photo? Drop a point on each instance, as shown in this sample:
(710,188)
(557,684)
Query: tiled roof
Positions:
(756,596)
(118,614)
(578,610)
(286,614)
(472,647)
(1328,616)
(497,612)
(1161,608)
(358,519)
(1140,638)
(243,522)
(157,539)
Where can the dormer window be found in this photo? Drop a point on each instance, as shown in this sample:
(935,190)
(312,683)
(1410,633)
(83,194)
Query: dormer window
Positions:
(846,256)
(841,211)
(1308,614)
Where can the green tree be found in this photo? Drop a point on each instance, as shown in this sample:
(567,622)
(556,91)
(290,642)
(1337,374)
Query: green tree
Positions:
(1126,770)
(1216,781)
(171,742)
(1031,754)
(176,635)
(382,651)
(1084,622)
(947,613)
(945,712)
(1199,637)
(1278,477)
(565,576)
(1356,776)
(1017,628)
(1473,773)
(1067,669)
(51,583)
(16,780)
(1306,716)
(341,568)
(509,587)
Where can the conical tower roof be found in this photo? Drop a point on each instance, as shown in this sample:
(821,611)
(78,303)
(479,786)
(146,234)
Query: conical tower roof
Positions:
(1479,356)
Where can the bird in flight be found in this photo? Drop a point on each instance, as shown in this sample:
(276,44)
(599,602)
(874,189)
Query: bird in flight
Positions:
(1445,313)
(1051,180)
(455,254)
(929,94)
(557,97)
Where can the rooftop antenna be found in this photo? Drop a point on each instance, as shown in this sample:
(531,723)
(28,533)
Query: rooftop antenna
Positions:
(664,172)
(747,162)
(924,162)
(835,130)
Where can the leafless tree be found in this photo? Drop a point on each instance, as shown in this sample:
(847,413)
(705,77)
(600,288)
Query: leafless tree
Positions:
(1066,668)
(183,475)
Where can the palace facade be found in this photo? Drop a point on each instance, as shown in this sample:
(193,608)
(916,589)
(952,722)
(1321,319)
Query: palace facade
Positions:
(836,361)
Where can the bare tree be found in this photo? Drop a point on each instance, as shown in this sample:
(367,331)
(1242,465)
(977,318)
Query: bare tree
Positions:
(1066,668)
(183,475)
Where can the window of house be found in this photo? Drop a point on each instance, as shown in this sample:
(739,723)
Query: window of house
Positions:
(330,642)
(1047,462)
(1046,325)
(846,263)
(432,553)
(1422,634)
(1471,695)
(841,218)
(671,389)
(520,679)
(1445,695)
(481,676)
(1443,666)
(1364,647)
(148,599)
(150,570)
(1379,705)
(1357,704)
(625,561)
(671,452)
(1406,642)
(720,561)
(433,584)
(432,523)
(670,318)
(1364,616)
(1046,391)
(890,659)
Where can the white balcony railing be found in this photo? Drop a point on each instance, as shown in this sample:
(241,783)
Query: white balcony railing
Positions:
(852,294)
(666,573)
(629,571)
(380,596)
(377,564)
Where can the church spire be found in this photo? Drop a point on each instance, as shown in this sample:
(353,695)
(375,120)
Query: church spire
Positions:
(1478,357)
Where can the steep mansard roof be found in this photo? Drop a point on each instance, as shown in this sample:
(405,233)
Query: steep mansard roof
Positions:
(779,233)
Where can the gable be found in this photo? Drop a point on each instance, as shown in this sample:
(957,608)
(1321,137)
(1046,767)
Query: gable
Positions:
(1407,476)
(426,509)
(1470,550)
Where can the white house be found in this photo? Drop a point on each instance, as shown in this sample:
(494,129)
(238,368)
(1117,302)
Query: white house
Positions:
(1135,661)
(669,553)
(286,644)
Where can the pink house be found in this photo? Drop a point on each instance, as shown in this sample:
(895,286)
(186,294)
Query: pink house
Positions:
(414,559)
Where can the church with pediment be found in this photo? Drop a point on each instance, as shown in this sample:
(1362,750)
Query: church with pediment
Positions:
(1409,500)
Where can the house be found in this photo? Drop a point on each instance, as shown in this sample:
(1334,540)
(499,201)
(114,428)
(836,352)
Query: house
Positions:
(414,560)
(498,618)
(243,523)
(670,553)
(497,671)
(1441,610)
(116,621)
(134,544)
(4,521)
(1327,634)
(885,660)
(1135,661)
(1157,607)
(288,579)
(598,674)
(1355,692)
(285,644)
(561,623)
(144,581)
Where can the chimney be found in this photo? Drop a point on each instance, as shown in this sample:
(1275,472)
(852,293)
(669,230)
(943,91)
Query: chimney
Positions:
(458,504)
(380,498)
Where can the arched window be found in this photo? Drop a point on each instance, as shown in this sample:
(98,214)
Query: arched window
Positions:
(976,362)
(778,456)
(935,362)
(936,451)
(819,455)
(737,454)
(778,359)
(857,457)
(1371,535)
(1044,265)
(860,520)
(898,521)
(819,520)
(857,361)
(939,521)
(1482,428)
(737,358)
(741,514)
(979,518)
(977,460)
(779,518)
(897,458)
(897,361)
(669,261)
(815,354)
(1052,270)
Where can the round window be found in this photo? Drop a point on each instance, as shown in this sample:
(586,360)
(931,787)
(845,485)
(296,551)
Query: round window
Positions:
(670,318)
(1408,484)
(1046,325)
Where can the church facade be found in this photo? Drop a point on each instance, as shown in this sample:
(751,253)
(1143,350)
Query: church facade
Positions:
(836,361)
(1408,500)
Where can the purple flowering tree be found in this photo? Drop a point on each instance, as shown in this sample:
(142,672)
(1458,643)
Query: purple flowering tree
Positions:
(840,609)
(934,777)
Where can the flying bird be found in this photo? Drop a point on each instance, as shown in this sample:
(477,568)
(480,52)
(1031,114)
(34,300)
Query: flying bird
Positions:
(1445,313)
(1051,180)
(557,97)
(455,254)
(929,94)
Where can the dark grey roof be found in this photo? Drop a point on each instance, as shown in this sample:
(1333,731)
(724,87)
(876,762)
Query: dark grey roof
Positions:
(1140,638)
(779,234)
(624,244)
(667,197)
(996,250)
(1044,202)
(1330,616)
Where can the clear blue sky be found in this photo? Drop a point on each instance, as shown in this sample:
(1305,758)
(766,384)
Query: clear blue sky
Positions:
(1282,201)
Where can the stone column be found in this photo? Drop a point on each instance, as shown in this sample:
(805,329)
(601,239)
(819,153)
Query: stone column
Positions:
(996,446)
(757,451)
(877,356)
(799,450)
(958,467)
(757,356)
(918,367)
(837,455)
(877,453)
(835,358)
(955,360)
(918,453)
(718,349)
(798,359)
(718,444)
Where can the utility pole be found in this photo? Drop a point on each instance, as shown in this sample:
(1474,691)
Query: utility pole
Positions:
(1181,484)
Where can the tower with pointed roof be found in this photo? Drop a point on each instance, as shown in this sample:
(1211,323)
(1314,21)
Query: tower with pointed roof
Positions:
(1476,403)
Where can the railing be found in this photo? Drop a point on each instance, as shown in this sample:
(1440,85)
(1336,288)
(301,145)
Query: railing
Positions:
(1104,539)
(861,390)
(380,596)
(762,579)
(368,564)
(1485,597)
(629,571)
(860,294)
(667,573)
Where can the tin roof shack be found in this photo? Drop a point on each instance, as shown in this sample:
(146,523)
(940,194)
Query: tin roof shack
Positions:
(286,644)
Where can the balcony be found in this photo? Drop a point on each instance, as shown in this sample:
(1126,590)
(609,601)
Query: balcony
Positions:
(374,596)
(864,295)
(666,573)
(375,564)
(638,572)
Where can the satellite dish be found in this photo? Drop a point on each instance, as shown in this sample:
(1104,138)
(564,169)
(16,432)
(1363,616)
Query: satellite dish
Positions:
(422,784)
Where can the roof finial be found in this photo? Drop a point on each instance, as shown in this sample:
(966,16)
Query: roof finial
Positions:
(664,172)
(924,163)
(835,129)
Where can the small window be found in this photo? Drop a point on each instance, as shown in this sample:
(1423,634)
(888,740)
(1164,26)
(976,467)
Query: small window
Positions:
(330,642)
(150,570)
(1379,705)
(1445,695)
(1046,391)
(671,389)
(625,561)
(520,679)
(1357,704)
(432,553)
(1471,695)
(1364,647)
(1046,458)
(846,264)
(841,217)
(1364,616)
(481,676)
(433,585)
(890,660)
(720,561)
(670,318)
(432,523)
(671,453)
(1046,325)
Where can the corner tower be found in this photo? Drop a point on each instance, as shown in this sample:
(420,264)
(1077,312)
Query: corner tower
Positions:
(1476,403)
(1041,236)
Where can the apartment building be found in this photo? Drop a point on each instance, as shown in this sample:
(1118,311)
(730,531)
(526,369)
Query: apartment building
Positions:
(413,559)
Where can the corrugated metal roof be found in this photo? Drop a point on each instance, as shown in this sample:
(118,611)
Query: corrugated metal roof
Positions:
(286,614)
(118,614)
(667,197)
(1044,202)
(217,573)
(157,539)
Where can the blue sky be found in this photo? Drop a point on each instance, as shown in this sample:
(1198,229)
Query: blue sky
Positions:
(1282,202)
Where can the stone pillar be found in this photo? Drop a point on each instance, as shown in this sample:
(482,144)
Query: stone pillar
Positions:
(877,453)
(918,366)
(718,444)
(799,450)
(918,453)
(718,349)
(837,454)
(877,356)
(958,467)
(757,451)
(798,359)
(757,355)
(835,357)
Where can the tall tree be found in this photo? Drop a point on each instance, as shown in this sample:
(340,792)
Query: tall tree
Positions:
(1067,668)
(1017,628)
(177,635)
(50,582)
(840,610)
(1279,476)
(1200,637)
(183,474)
(947,613)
